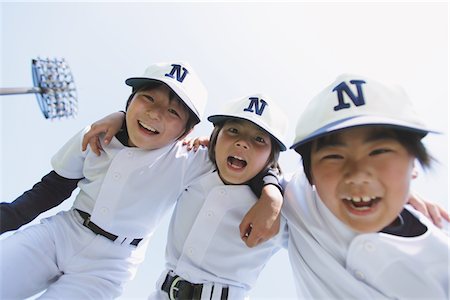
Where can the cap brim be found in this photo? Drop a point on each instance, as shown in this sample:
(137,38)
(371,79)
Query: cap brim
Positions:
(219,118)
(139,81)
(363,121)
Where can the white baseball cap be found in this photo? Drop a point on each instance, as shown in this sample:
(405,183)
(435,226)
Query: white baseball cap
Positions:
(182,79)
(261,111)
(353,100)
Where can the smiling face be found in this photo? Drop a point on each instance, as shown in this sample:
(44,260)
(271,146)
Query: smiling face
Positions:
(363,176)
(154,120)
(242,151)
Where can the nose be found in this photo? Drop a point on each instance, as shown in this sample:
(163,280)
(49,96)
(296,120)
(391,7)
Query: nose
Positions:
(242,143)
(154,113)
(357,173)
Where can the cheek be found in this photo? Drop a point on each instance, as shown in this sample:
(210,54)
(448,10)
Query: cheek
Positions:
(175,125)
(400,170)
(262,155)
(222,142)
(398,180)
(219,149)
(133,111)
(325,179)
(324,174)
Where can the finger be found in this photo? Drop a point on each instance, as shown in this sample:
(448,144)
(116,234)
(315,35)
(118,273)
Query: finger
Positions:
(444,214)
(419,205)
(86,141)
(107,139)
(84,144)
(435,216)
(243,228)
(251,241)
(196,145)
(188,144)
(252,238)
(246,231)
(95,145)
(192,145)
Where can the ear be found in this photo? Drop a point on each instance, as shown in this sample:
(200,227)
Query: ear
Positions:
(185,134)
(415,172)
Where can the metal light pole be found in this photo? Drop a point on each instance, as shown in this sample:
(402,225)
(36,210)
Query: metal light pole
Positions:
(54,88)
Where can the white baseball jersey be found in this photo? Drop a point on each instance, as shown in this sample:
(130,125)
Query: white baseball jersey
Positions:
(127,190)
(330,261)
(204,244)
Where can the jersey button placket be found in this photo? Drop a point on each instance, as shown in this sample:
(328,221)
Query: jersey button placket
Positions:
(191,251)
(369,247)
(359,275)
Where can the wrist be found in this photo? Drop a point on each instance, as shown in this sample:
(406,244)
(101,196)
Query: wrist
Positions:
(272,194)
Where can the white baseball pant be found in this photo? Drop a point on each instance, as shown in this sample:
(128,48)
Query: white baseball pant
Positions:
(67,259)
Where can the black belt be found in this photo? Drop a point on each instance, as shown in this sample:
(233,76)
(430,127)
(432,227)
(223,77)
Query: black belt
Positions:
(95,229)
(178,288)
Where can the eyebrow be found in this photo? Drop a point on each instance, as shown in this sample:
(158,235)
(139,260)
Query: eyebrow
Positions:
(171,100)
(327,141)
(377,135)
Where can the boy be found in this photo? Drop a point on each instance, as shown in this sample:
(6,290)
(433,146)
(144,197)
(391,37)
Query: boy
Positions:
(351,236)
(93,249)
(205,257)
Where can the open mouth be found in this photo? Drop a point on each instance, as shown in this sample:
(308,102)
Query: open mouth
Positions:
(361,203)
(148,128)
(236,162)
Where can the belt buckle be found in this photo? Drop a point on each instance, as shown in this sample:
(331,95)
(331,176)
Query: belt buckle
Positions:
(173,288)
(87,221)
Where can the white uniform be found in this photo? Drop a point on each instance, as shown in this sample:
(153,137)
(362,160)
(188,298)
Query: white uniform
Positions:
(330,261)
(127,191)
(204,244)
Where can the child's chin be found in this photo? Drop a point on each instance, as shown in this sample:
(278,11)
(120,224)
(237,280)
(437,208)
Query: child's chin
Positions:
(235,180)
(366,228)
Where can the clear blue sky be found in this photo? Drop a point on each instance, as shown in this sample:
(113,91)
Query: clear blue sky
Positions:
(287,50)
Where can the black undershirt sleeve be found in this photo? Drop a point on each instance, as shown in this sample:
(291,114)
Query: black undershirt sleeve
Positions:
(51,191)
(268,176)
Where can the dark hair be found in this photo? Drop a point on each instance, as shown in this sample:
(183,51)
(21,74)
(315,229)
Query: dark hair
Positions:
(272,161)
(151,85)
(409,139)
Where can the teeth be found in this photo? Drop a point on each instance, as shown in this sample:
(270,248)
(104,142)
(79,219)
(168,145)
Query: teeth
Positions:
(361,208)
(366,199)
(359,199)
(149,128)
(238,157)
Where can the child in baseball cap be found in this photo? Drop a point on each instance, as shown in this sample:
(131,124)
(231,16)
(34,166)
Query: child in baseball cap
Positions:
(186,100)
(121,200)
(205,257)
(359,140)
